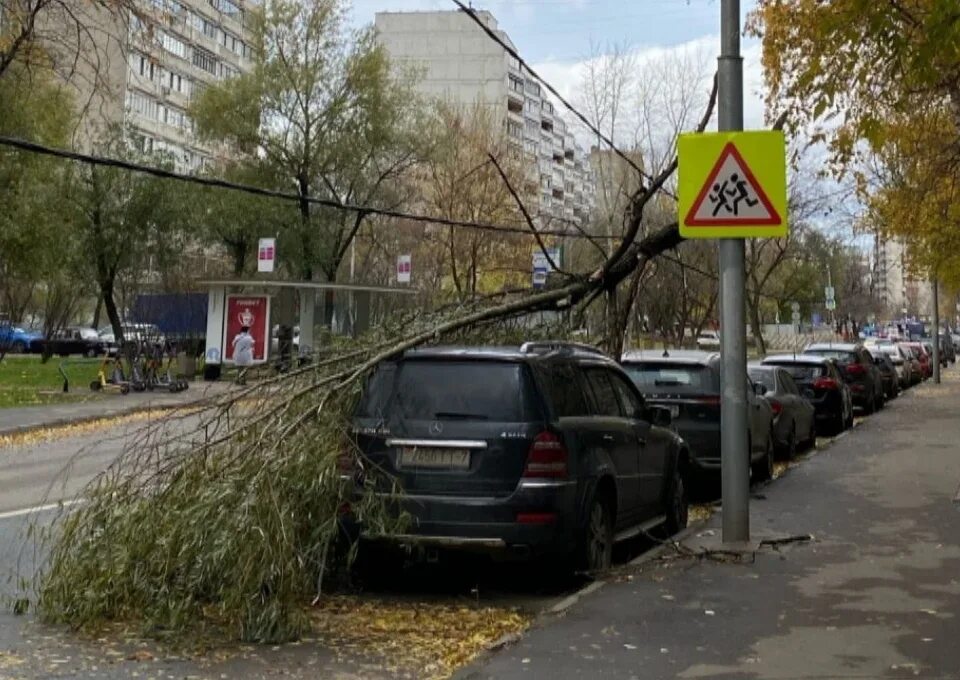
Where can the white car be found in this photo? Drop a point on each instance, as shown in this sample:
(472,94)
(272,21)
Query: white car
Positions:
(132,332)
(708,340)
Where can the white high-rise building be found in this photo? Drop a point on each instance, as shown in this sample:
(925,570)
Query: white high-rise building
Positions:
(142,69)
(900,292)
(460,64)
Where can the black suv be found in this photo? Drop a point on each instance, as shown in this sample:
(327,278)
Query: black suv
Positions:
(546,449)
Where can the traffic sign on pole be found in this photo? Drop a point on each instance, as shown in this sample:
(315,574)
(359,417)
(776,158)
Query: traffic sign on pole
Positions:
(733,184)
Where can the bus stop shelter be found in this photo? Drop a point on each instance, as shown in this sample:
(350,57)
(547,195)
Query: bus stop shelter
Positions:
(265,305)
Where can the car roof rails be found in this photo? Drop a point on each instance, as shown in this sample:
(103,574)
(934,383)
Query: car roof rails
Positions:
(559,346)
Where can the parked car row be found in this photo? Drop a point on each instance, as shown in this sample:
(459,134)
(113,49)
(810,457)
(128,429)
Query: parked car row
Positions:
(556,450)
(75,340)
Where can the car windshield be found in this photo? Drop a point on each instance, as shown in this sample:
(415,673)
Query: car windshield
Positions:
(801,372)
(764,378)
(842,356)
(663,376)
(446,390)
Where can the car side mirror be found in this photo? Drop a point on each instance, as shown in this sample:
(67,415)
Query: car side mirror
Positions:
(759,389)
(809,394)
(660,416)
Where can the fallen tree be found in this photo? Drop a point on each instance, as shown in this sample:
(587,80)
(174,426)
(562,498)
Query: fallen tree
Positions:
(230,515)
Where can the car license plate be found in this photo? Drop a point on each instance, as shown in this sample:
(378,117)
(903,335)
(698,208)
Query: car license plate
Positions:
(434,458)
(674,410)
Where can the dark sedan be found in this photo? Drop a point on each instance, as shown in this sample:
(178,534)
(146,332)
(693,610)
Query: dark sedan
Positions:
(888,374)
(819,380)
(858,371)
(688,383)
(794,421)
(74,340)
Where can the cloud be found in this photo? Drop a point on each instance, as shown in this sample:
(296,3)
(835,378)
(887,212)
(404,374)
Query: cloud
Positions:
(567,76)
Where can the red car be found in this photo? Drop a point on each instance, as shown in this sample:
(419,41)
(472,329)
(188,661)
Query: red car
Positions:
(926,362)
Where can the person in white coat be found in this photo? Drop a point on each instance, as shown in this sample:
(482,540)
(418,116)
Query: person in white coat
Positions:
(243,344)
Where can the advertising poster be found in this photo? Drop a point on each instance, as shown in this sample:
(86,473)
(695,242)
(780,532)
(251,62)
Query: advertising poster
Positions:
(252,312)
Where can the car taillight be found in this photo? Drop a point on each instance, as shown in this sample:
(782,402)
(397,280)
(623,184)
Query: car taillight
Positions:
(547,457)
(710,400)
(856,369)
(825,384)
(777,407)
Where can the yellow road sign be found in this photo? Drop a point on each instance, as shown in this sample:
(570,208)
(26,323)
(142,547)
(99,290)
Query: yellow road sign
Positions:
(733,184)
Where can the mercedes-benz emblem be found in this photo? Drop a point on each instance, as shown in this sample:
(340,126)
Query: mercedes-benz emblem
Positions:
(436,427)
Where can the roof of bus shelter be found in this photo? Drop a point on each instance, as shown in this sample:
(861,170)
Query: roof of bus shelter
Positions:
(303,285)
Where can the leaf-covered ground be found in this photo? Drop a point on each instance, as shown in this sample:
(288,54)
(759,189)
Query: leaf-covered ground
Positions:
(413,639)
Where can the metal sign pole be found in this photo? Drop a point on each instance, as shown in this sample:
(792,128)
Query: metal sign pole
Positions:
(936,331)
(735,457)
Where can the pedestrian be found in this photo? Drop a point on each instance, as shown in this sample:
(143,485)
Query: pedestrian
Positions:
(243,344)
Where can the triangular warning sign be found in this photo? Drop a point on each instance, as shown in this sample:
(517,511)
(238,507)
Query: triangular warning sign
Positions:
(731,196)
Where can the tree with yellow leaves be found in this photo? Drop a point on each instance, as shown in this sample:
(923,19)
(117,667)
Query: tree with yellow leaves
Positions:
(879,82)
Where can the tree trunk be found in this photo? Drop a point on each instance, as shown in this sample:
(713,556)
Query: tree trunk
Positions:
(106,291)
(96,311)
(755,324)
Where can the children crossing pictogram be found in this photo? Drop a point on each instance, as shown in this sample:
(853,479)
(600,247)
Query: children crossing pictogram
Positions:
(731,196)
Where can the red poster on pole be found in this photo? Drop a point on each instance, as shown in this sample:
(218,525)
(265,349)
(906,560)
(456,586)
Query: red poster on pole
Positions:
(252,312)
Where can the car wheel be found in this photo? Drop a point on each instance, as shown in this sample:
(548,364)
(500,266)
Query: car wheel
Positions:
(792,443)
(678,504)
(763,468)
(18,348)
(869,407)
(596,546)
(812,435)
(90,353)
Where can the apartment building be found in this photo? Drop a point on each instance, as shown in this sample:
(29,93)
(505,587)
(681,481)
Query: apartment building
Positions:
(174,53)
(142,69)
(458,63)
(900,292)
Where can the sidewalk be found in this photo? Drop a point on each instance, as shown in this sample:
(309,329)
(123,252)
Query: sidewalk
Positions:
(14,420)
(875,595)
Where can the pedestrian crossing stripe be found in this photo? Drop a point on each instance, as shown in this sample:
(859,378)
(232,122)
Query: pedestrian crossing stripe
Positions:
(732,185)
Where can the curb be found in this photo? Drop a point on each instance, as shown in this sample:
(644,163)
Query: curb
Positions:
(80,420)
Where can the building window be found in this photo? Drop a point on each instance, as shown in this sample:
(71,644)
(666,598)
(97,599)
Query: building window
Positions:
(205,60)
(210,29)
(142,105)
(533,88)
(172,45)
(516,84)
(514,129)
(228,71)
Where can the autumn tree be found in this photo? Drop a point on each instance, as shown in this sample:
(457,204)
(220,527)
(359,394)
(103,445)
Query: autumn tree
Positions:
(126,224)
(33,244)
(459,180)
(329,115)
(879,82)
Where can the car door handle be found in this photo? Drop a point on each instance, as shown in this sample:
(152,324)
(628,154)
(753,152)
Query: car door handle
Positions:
(608,438)
(642,441)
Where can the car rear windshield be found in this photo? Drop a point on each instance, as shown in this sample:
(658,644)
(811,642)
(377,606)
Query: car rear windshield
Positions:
(801,372)
(764,378)
(446,390)
(667,377)
(842,356)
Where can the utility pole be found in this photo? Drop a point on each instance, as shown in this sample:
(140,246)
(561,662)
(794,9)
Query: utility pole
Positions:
(734,453)
(936,330)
